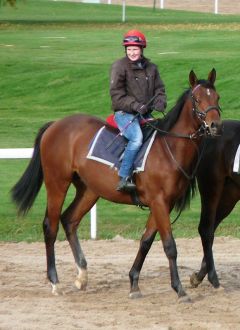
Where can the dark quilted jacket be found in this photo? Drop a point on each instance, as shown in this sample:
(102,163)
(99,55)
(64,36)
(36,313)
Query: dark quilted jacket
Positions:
(132,85)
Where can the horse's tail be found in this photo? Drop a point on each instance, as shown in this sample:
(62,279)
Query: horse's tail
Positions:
(184,201)
(27,188)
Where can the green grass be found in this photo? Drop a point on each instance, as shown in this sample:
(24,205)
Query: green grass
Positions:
(54,61)
(45,11)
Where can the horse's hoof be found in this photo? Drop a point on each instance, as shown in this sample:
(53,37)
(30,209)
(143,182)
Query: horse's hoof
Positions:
(182,296)
(215,283)
(184,299)
(81,280)
(220,288)
(81,285)
(194,281)
(55,290)
(135,295)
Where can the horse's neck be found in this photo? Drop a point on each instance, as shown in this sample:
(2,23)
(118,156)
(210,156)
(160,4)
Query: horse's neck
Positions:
(185,125)
(183,148)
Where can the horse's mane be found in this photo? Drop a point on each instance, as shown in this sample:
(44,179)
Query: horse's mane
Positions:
(172,116)
(166,124)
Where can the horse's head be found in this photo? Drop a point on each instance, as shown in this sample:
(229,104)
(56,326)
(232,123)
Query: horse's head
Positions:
(205,103)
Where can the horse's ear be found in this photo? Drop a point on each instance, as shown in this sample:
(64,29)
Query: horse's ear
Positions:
(212,76)
(192,79)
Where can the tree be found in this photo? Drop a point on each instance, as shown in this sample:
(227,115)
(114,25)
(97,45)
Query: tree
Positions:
(12,3)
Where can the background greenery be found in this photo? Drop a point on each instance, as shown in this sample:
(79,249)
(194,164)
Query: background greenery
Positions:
(54,61)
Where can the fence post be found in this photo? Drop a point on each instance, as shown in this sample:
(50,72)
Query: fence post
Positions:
(216,7)
(94,222)
(123,11)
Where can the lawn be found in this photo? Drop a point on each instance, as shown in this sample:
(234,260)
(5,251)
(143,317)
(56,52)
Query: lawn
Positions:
(55,59)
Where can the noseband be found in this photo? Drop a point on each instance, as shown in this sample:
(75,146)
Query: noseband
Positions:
(201,115)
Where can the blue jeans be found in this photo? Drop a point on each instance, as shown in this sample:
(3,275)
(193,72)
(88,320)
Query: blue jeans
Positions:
(133,133)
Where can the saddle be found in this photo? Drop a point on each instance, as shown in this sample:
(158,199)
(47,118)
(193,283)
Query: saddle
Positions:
(147,130)
(110,120)
(108,147)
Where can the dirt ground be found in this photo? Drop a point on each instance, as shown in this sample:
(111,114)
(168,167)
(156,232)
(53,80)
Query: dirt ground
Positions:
(26,301)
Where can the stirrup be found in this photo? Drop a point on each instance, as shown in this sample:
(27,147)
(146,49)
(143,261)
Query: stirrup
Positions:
(126,185)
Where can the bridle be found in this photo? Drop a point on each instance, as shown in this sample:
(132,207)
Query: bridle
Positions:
(204,130)
(201,115)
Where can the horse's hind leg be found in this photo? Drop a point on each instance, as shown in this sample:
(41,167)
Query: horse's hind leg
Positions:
(82,203)
(55,197)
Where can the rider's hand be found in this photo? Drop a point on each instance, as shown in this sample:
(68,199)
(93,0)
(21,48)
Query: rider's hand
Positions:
(159,106)
(142,109)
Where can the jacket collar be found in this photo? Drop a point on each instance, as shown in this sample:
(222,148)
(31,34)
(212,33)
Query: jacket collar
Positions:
(138,65)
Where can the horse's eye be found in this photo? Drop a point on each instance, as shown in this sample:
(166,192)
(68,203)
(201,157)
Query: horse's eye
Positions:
(197,100)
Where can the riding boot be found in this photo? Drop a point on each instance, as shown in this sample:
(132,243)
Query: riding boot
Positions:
(126,185)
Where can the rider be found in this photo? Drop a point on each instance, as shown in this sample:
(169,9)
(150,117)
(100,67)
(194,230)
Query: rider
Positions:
(134,81)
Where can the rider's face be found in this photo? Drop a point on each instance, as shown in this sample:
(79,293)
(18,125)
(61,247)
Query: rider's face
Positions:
(134,53)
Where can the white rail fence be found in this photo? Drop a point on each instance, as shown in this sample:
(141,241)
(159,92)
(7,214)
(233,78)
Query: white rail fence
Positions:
(156,3)
(204,6)
(23,153)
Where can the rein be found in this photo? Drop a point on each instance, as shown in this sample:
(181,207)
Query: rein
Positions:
(192,136)
(203,130)
(189,177)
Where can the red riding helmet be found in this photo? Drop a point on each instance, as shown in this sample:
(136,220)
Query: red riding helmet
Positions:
(134,38)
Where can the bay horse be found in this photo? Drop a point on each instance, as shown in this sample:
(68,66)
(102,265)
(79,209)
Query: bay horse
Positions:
(59,159)
(219,188)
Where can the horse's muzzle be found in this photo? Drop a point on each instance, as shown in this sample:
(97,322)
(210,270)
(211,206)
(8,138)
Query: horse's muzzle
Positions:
(214,129)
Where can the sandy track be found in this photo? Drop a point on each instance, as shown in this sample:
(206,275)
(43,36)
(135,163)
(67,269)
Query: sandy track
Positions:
(26,301)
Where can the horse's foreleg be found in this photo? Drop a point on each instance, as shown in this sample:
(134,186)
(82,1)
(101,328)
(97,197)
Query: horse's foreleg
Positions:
(145,245)
(197,277)
(206,230)
(229,198)
(162,219)
(70,219)
(170,250)
(207,266)
(210,200)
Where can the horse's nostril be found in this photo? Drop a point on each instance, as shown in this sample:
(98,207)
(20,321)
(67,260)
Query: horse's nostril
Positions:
(217,126)
(214,125)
